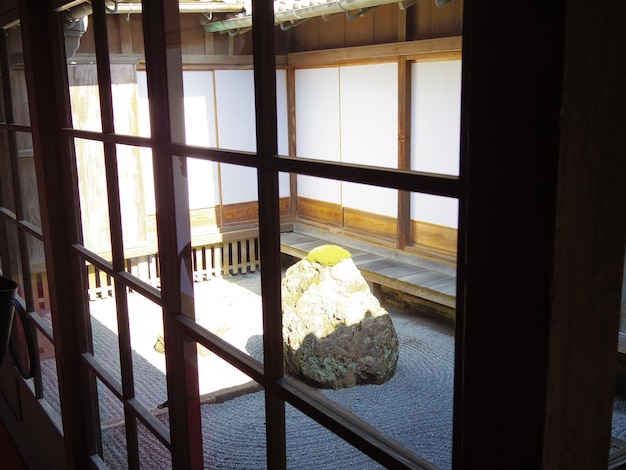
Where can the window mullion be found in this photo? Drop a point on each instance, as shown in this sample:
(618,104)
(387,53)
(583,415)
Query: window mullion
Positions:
(269,224)
(163,67)
(115,221)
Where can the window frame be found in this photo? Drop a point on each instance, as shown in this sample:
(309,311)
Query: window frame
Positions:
(476,437)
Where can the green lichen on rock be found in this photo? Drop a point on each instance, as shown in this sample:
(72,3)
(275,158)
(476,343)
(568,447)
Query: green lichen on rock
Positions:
(328,255)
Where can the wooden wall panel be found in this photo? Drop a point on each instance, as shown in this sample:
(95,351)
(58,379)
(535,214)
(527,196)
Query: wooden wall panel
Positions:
(428,240)
(241,213)
(204,219)
(285,207)
(427,20)
(424,20)
(319,211)
(359,30)
(446,20)
(330,33)
(369,224)
(114,34)
(386,24)
(192,35)
(434,236)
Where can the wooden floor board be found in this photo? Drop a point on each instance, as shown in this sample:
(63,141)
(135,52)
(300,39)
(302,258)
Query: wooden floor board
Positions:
(410,278)
(391,268)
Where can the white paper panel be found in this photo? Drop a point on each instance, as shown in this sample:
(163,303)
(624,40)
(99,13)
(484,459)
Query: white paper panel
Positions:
(143,116)
(436,123)
(435,209)
(200,130)
(317,113)
(383,201)
(319,188)
(235,109)
(281,112)
(369,114)
(199,108)
(203,183)
(239,184)
(283,185)
(283,135)
(143,108)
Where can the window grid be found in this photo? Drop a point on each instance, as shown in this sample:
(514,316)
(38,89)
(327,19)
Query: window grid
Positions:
(184,419)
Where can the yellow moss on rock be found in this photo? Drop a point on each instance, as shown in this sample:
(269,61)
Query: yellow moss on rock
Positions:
(328,255)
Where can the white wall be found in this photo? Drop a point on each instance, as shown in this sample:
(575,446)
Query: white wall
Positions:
(230,125)
(436,117)
(282,130)
(236,130)
(350,114)
(143,117)
(435,131)
(200,129)
(318,128)
(369,114)
(369,131)
(346,114)
(435,209)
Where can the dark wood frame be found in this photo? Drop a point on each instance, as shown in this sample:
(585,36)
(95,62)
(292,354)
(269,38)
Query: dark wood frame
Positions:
(534,321)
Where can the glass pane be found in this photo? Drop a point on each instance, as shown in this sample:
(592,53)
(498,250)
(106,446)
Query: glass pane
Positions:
(82,72)
(6,175)
(146,337)
(204,201)
(233,418)
(434,222)
(92,188)
(219,104)
(103,315)
(622,328)
(84,95)
(225,250)
(230,305)
(145,323)
(618,431)
(234,97)
(39,280)
(28,179)
(128,87)
(19,93)
(137,203)
(357,126)
(200,112)
(114,451)
(311,444)
(37,298)
(12,258)
(2,102)
(152,453)
(219,109)
(436,116)
(49,378)
(371,327)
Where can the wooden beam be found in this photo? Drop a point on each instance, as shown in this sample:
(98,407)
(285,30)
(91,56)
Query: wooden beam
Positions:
(590,236)
(404,151)
(379,52)
(509,156)
(162,37)
(42,37)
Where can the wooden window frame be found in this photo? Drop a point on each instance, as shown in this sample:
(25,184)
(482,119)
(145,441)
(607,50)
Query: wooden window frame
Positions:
(514,372)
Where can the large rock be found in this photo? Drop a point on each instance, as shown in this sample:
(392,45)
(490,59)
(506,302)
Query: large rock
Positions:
(335,332)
